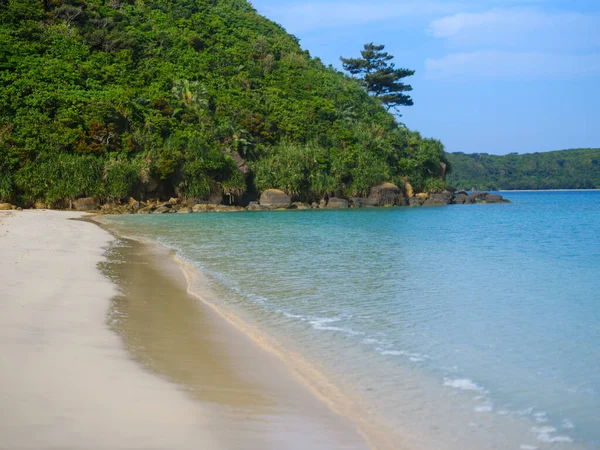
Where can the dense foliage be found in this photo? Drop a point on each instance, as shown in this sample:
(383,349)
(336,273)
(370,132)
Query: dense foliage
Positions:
(565,169)
(111,98)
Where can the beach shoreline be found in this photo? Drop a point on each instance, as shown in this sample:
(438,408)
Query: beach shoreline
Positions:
(314,382)
(88,364)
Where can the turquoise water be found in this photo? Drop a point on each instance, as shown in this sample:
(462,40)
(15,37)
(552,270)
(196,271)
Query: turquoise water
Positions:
(474,326)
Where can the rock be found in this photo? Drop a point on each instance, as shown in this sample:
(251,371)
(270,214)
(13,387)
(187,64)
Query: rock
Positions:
(300,205)
(133,205)
(386,194)
(408,190)
(254,206)
(443,170)
(274,198)
(216,197)
(200,207)
(185,210)
(227,208)
(443,198)
(495,198)
(461,199)
(7,207)
(39,205)
(85,204)
(463,192)
(161,210)
(415,201)
(314,205)
(472,198)
(423,196)
(204,207)
(19,208)
(173,201)
(337,203)
(322,203)
(356,202)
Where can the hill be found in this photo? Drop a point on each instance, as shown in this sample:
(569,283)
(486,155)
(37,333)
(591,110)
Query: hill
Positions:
(564,169)
(156,98)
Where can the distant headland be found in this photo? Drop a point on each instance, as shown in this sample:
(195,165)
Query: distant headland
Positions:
(563,169)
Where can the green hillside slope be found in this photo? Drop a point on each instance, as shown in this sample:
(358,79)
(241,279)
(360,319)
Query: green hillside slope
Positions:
(112,98)
(564,169)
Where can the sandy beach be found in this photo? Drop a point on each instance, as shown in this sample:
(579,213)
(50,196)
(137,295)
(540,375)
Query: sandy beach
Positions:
(103,352)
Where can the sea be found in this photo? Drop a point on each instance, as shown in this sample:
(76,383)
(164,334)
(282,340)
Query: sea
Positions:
(454,327)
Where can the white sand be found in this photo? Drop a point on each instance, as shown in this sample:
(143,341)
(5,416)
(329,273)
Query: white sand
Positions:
(65,380)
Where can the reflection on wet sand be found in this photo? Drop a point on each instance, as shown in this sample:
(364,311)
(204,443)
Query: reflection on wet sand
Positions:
(254,400)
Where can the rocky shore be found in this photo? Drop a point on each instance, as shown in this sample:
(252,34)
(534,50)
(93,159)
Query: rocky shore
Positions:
(382,195)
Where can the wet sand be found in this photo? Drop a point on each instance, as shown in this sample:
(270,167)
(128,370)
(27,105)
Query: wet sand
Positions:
(134,363)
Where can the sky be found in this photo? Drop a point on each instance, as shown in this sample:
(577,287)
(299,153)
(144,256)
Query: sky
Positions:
(492,76)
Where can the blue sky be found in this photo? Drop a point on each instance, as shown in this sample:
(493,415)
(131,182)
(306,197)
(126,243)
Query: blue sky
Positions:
(494,76)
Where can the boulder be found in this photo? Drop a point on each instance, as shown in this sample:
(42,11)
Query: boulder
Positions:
(415,201)
(422,196)
(85,204)
(216,197)
(7,207)
(463,192)
(357,202)
(386,194)
(443,198)
(39,205)
(495,198)
(227,208)
(300,205)
(133,205)
(337,203)
(161,210)
(204,207)
(274,198)
(173,201)
(408,190)
(314,205)
(473,198)
(461,199)
(255,206)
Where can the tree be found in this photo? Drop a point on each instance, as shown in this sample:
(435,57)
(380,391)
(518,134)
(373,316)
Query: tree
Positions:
(380,78)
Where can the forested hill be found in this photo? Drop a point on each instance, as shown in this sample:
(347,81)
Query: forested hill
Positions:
(564,169)
(112,98)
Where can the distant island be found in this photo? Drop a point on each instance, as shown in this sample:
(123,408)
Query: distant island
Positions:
(563,169)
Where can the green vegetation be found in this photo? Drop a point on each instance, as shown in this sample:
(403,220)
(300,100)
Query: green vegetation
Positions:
(118,98)
(565,169)
(380,78)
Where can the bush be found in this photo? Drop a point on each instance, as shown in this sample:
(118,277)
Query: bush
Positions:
(6,187)
(60,177)
(121,177)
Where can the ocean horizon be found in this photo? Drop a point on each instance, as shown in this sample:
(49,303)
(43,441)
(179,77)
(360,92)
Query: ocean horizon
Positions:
(458,327)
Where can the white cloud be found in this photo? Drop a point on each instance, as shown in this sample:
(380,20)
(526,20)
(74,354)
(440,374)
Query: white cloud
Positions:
(531,29)
(512,66)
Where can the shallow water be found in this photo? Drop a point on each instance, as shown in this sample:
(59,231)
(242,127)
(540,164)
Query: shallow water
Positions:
(473,326)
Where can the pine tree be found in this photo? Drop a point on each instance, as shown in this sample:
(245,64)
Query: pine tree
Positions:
(381,78)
